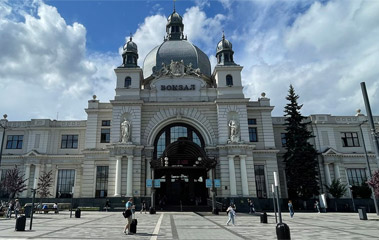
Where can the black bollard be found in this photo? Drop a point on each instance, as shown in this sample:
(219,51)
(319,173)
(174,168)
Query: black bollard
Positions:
(152,210)
(216,211)
(283,231)
(264,217)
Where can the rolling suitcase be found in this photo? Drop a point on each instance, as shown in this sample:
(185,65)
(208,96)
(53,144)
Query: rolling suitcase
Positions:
(133,225)
(20,223)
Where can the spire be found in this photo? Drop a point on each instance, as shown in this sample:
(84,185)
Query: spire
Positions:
(174,5)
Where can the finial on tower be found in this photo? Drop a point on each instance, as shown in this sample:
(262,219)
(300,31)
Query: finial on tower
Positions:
(223,35)
(174,5)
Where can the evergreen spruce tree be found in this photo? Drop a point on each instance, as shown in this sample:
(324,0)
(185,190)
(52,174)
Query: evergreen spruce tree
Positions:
(300,157)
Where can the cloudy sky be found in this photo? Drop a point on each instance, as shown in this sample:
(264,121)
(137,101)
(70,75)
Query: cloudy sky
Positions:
(54,55)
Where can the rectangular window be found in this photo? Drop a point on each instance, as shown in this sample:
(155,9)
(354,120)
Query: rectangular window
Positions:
(14,141)
(260,181)
(69,141)
(66,180)
(252,121)
(356,176)
(350,139)
(106,123)
(283,137)
(102,181)
(105,135)
(253,134)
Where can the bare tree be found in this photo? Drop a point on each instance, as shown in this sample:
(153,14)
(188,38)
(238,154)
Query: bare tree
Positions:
(14,182)
(44,184)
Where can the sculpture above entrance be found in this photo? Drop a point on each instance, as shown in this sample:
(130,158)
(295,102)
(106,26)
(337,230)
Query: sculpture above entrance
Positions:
(176,69)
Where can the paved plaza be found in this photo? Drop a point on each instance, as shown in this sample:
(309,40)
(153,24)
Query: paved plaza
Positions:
(190,225)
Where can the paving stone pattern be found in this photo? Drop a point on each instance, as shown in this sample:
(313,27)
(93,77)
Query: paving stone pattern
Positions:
(189,225)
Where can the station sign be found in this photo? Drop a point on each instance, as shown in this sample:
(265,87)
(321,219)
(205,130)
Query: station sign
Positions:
(149,182)
(217,183)
(157,183)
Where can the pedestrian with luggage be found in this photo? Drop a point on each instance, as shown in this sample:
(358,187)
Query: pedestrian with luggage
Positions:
(231,211)
(129,215)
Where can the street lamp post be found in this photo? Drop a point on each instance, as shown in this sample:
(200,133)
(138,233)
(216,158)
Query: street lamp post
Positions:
(3,126)
(368,168)
(34,189)
(282,229)
(72,198)
(273,198)
(352,197)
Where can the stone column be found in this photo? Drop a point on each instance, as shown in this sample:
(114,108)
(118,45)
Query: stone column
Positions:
(117,184)
(27,176)
(245,185)
(129,177)
(37,172)
(232,176)
(337,174)
(327,174)
(148,175)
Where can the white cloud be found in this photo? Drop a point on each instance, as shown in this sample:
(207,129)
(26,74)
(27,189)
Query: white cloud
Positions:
(43,66)
(325,54)
(149,34)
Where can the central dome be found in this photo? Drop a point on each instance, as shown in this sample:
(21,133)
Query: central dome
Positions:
(176,50)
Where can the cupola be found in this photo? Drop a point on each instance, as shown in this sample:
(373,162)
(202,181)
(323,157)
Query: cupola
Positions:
(174,27)
(224,52)
(129,54)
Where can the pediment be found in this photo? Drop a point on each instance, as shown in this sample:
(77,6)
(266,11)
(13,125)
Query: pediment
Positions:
(32,153)
(331,151)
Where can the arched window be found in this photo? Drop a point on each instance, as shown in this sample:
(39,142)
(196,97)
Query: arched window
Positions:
(229,80)
(128,82)
(172,132)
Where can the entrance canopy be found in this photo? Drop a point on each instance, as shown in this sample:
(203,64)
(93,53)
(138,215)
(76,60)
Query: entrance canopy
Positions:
(183,153)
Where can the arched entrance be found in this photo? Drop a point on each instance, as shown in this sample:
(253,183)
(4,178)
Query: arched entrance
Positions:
(181,164)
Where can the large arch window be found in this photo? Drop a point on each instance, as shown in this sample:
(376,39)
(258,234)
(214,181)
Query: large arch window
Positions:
(229,80)
(171,133)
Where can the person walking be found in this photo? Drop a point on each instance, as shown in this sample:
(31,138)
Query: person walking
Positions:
(251,206)
(107,205)
(129,215)
(10,209)
(290,208)
(17,208)
(143,207)
(231,211)
(317,206)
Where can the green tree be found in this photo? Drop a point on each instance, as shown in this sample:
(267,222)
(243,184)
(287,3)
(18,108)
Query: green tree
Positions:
(301,156)
(336,189)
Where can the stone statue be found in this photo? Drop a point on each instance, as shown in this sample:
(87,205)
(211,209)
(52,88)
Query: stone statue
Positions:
(125,131)
(234,136)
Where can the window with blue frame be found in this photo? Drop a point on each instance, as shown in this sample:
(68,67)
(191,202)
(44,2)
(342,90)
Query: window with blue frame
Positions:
(253,137)
(14,141)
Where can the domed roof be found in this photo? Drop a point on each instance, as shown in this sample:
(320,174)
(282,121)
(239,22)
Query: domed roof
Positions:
(176,50)
(224,44)
(130,46)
